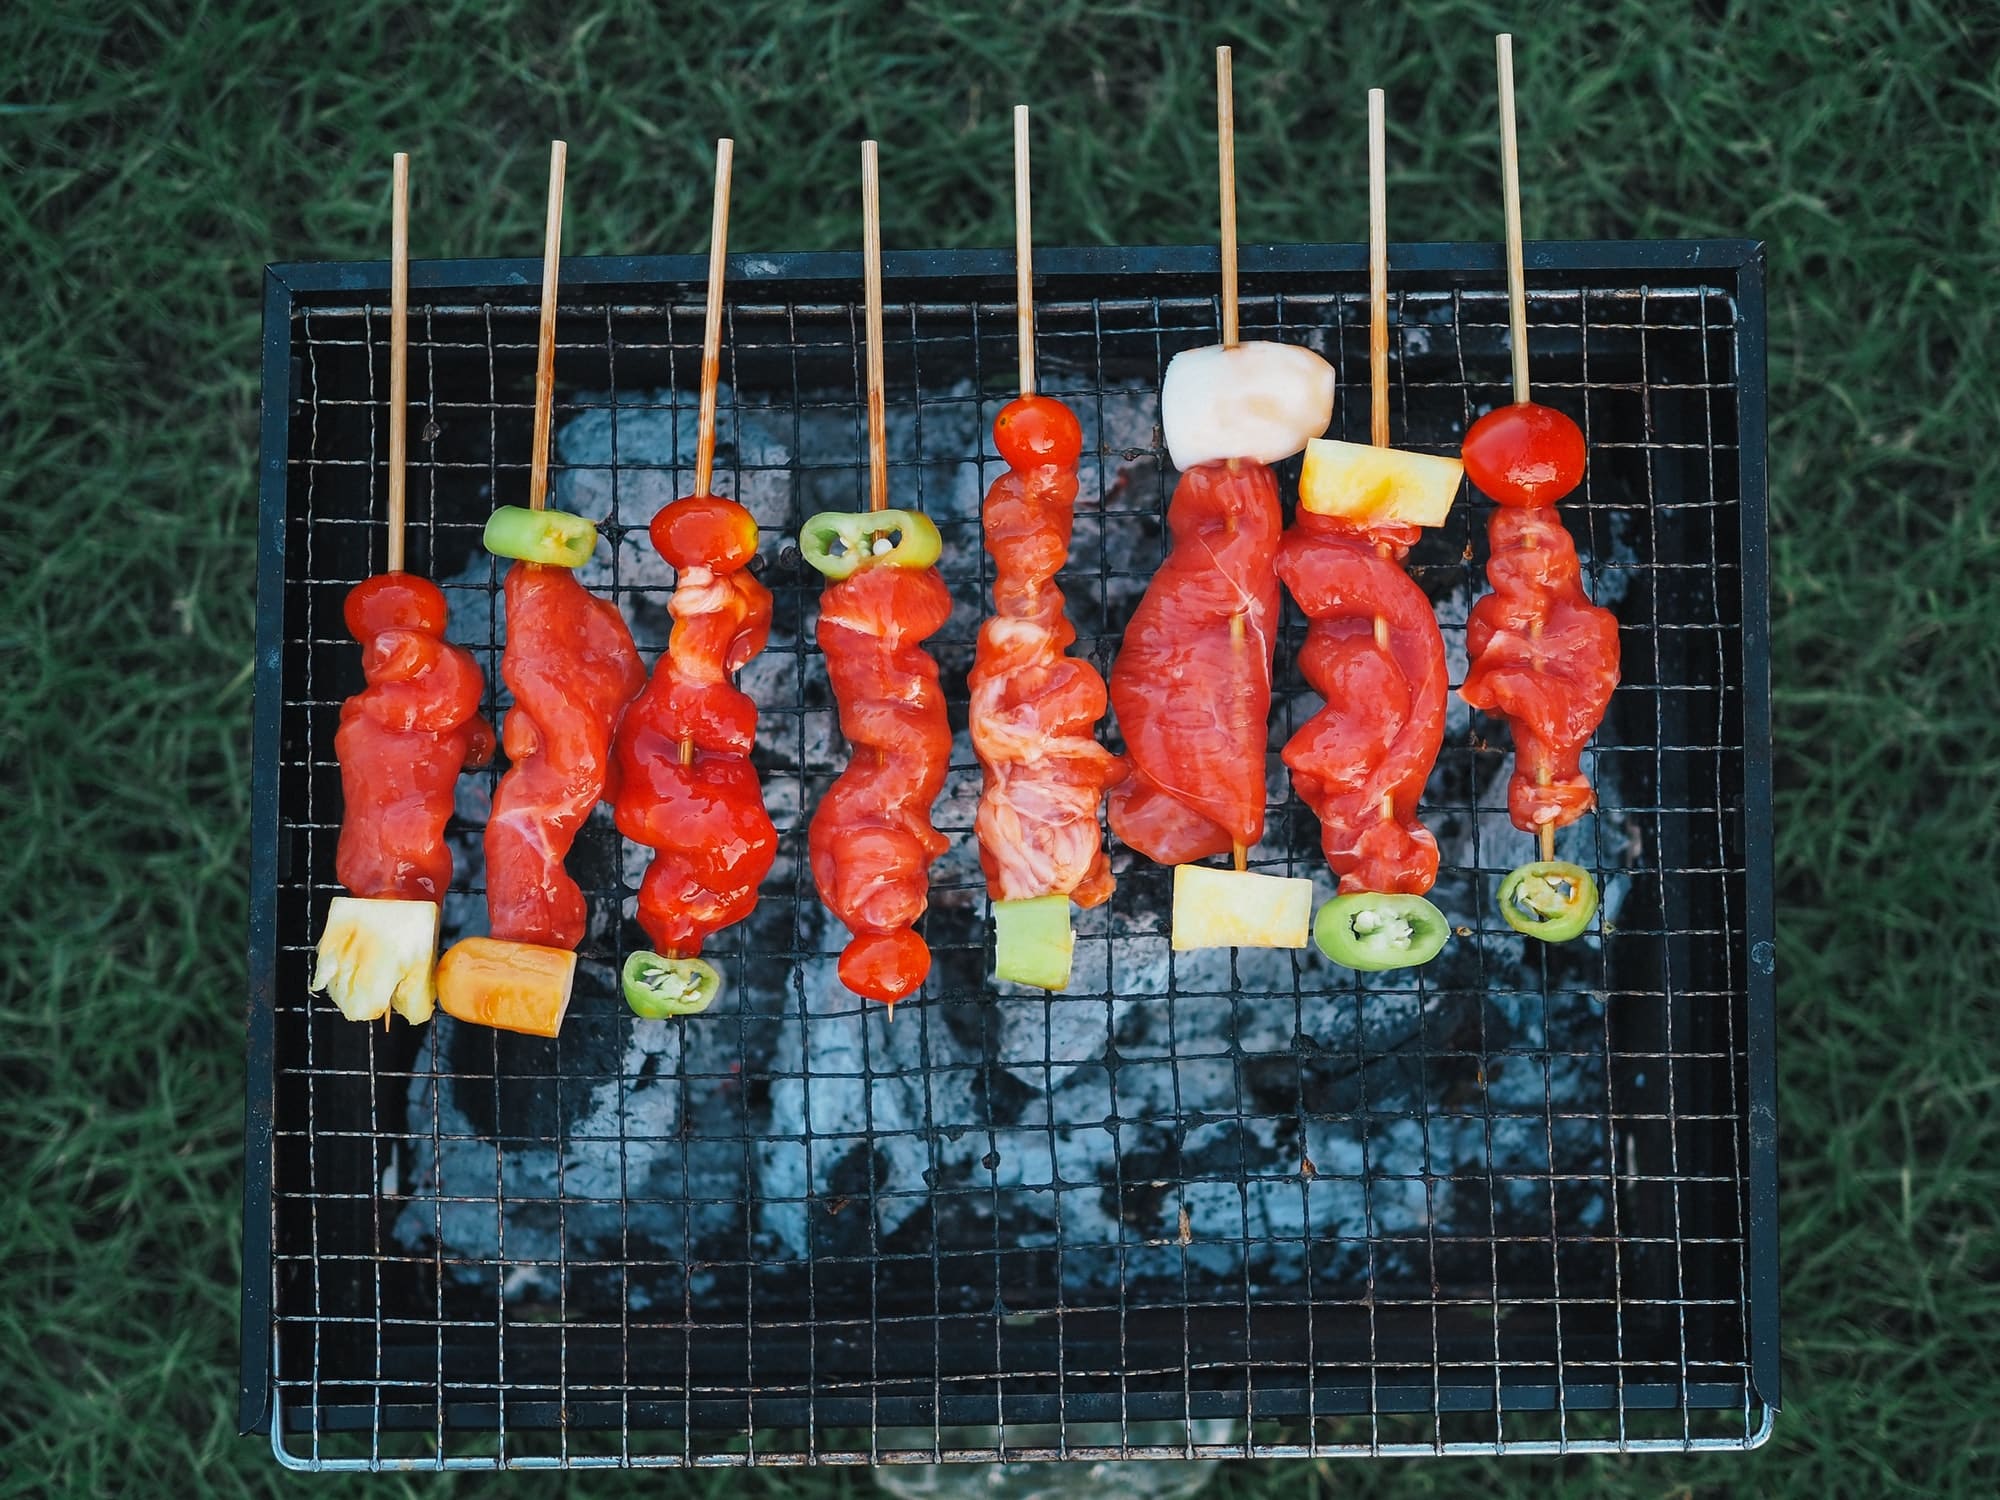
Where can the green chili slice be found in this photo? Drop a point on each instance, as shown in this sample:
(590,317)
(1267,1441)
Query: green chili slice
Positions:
(1550,899)
(1373,932)
(839,542)
(657,987)
(554,537)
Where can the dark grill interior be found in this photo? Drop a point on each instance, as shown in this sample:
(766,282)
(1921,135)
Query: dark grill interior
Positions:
(1206,1203)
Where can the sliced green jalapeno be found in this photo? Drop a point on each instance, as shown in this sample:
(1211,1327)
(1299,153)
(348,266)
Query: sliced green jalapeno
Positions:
(657,987)
(837,542)
(1550,899)
(1373,932)
(554,537)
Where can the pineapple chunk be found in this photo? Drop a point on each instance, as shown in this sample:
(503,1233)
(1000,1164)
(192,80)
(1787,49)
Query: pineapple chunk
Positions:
(1236,909)
(376,954)
(1257,401)
(1367,484)
(1033,941)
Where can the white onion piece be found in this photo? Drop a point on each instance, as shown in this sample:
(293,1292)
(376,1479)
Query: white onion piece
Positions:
(1258,401)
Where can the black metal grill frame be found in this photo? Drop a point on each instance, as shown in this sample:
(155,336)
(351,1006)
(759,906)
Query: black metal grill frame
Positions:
(1390,1371)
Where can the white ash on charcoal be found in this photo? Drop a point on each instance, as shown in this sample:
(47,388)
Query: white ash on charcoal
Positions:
(1215,1122)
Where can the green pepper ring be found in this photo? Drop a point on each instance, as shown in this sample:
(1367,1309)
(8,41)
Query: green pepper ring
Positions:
(1425,931)
(917,545)
(641,980)
(553,538)
(1532,901)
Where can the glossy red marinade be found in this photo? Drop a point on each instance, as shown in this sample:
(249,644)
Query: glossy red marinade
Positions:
(1192,682)
(1034,708)
(685,785)
(1362,761)
(403,739)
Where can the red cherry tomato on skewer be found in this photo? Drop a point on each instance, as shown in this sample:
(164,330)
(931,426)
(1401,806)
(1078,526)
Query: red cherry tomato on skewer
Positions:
(1525,455)
(1035,430)
(885,966)
(705,531)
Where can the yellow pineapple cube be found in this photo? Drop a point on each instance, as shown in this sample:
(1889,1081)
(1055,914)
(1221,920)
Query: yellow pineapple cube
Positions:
(377,954)
(1368,485)
(1238,909)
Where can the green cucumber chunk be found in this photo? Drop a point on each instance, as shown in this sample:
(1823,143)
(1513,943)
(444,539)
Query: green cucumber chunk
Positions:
(1032,941)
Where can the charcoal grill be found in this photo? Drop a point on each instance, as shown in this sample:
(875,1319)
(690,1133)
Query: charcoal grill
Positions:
(1208,1205)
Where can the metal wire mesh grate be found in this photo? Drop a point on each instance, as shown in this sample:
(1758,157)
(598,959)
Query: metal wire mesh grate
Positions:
(1206,1204)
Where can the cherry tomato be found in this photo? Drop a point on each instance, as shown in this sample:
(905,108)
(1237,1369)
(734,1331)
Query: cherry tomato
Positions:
(885,966)
(1526,454)
(1036,430)
(705,531)
(394,601)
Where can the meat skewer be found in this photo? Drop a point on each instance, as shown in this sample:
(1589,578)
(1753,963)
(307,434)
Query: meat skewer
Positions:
(1192,682)
(1034,708)
(871,840)
(1543,656)
(1374,653)
(401,743)
(685,783)
(572,667)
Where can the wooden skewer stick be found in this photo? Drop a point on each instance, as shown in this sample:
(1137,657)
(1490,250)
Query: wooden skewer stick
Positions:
(1378,274)
(1225,137)
(545,353)
(1517,289)
(871,291)
(399,354)
(1225,155)
(1378,304)
(711,343)
(711,336)
(399,364)
(1510,194)
(1024,255)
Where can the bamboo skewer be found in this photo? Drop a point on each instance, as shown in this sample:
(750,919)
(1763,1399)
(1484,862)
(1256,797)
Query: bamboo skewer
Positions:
(399,355)
(1225,153)
(1024,255)
(1378,317)
(1510,194)
(1225,143)
(711,342)
(1378,294)
(545,352)
(711,336)
(1378,273)
(871,291)
(1517,288)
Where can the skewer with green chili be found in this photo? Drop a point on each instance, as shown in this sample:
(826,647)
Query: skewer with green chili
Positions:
(1550,899)
(552,537)
(1372,932)
(839,542)
(657,987)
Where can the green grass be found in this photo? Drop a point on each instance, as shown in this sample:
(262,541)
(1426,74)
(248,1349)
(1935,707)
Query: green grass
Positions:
(152,159)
